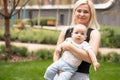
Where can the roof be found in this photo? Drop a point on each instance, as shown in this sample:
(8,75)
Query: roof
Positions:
(97,6)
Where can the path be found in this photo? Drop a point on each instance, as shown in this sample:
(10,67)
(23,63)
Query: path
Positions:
(31,46)
(34,47)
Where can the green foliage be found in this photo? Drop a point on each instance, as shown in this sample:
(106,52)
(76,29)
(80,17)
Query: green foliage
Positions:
(32,35)
(109,37)
(110,57)
(43,20)
(26,35)
(14,34)
(107,34)
(44,54)
(19,51)
(50,37)
(3,56)
(2,49)
(115,41)
(1,35)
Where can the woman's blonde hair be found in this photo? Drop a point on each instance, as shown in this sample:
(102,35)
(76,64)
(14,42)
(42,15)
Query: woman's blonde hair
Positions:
(93,23)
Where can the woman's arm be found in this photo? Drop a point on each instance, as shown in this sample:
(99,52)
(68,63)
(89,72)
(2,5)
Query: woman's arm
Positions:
(95,40)
(80,53)
(60,40)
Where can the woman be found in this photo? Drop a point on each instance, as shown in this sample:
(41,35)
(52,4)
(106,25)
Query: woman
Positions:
(83,13)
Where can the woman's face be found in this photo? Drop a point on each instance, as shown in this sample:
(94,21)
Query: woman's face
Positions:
(82,14)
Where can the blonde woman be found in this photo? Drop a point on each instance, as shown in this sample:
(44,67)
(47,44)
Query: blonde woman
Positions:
(83,13)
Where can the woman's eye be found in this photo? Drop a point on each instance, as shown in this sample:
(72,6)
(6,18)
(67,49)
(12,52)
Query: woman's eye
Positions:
(79,11)
(86,11)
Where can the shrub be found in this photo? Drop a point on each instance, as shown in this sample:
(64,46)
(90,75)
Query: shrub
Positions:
(19,51)
(24,51)
(107,35)
(114,57)
(115,41)
(43,20)
(1,35)
(43,54)
(14,34)
(38,36)
(110,57)
(2,49)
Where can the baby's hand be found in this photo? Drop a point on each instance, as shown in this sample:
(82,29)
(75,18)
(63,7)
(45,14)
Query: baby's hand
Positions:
(58,49)
(96,65)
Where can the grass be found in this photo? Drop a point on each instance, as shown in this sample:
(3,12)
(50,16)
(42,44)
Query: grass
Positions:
(107,71)
(34,70)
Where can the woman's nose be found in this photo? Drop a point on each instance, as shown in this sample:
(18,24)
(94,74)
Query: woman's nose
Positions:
(81,13)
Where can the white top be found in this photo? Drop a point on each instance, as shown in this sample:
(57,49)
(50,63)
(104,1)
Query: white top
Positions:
(70,58)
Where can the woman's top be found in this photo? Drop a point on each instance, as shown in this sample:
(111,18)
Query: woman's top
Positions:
(84,66)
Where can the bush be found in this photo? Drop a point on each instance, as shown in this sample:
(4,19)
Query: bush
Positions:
(106,33)
(35,36)
(43,54)
(110,57)
(1,35)
(43,20)
(115,41)
(114,57)
(19,51)
(2,49)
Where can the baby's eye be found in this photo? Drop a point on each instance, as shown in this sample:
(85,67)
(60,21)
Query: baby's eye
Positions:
(76,32)
(82,33)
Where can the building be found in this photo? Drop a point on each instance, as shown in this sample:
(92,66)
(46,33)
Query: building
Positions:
(107,12)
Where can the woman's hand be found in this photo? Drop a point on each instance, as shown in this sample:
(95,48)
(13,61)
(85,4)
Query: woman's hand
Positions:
(66,46)
(58,49)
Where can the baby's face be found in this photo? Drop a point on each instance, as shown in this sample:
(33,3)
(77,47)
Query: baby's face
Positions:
(79,33)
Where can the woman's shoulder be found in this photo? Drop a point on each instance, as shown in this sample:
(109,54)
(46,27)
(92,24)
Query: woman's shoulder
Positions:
(95,31)
(66,30)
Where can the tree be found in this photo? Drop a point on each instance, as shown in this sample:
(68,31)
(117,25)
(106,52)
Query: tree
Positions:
(7,11)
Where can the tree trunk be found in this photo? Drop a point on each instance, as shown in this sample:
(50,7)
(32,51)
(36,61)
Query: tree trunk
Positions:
(7,37)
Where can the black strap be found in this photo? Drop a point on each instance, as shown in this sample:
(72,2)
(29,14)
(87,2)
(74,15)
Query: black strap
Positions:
(68,32)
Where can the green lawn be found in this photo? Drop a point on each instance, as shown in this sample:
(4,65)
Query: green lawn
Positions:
(34,70)
(107,71)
